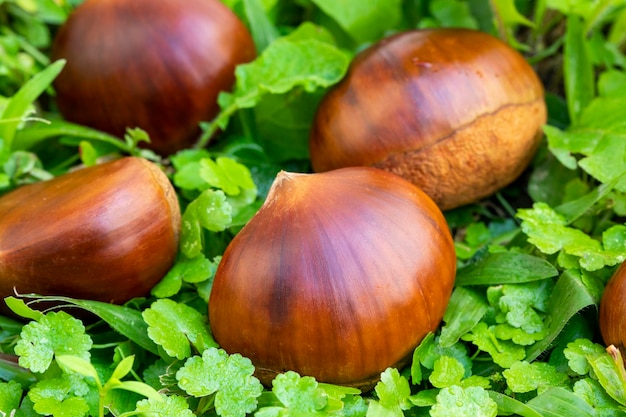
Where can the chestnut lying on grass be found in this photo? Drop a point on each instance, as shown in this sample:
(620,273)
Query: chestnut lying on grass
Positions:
(107,233)
(457,112)
(613,311)
(338,276)
(157,65)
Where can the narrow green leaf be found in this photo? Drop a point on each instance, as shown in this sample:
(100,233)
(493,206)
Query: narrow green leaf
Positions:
(465,309)
(19,307)
(569,296)
(124,367)
(18,104)
(124,320)
(78,365)
(559,402)
(508,406)
(506,268)
(578,68)
(37,133)
(572,210)
(262,30)
(11,371)
(139,388)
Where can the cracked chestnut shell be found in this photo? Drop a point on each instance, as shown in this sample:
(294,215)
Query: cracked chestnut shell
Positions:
(107,233)
(338,276)
(154,64)
(457,112)
(613,311)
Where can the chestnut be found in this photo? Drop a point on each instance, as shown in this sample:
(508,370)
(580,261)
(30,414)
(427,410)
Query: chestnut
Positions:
(154,64)
(613,310)
(338,276)
(107,232)
(455,111)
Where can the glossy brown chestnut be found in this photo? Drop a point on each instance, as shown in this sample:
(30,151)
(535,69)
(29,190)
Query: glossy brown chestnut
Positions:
(107,233)
(339,275)
(154,64)
(613,311)
(457,112)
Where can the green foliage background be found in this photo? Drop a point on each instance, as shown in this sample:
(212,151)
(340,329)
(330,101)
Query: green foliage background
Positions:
(520,335)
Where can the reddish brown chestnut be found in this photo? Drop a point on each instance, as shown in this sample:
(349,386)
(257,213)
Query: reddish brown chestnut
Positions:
(107,233)
(339,275)
(154,64)
(457,112)
(613,311)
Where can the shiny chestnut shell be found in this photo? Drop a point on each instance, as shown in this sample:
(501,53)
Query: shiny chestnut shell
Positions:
(613,310)
(107,233)
(339,275)
(457,112)
(154,64)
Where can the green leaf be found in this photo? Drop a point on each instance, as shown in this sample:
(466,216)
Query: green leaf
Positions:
(228,377)
(19,104)
(429,351)
(62,396)
(78,365)
(506,268)
(592,392)
(363,21)
(139,388)
(503,352)
(564,144)
(11,371)
(578,68)
(578,352)
(168,406)
(465,309)
(10,396)
(123,368)
(125,320)
(569,296)
(608,375)
(523,305)
(19,307)
(548,230)
(456,401)
(210,211)
(262,30)
(447,372)
(298,396)
(283,122)
(525,377)
(508,406)
(559,402)
(55,333)
(418,353)
(177,327)
(453,13)
(284,65)
(572,210)
(607,160)
(193,270)
(226,174)
(88,153)
(393,393)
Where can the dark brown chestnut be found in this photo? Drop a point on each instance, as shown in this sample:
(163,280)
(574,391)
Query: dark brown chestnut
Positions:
(338,276)
(107,233)
(154,64)
(455,111)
